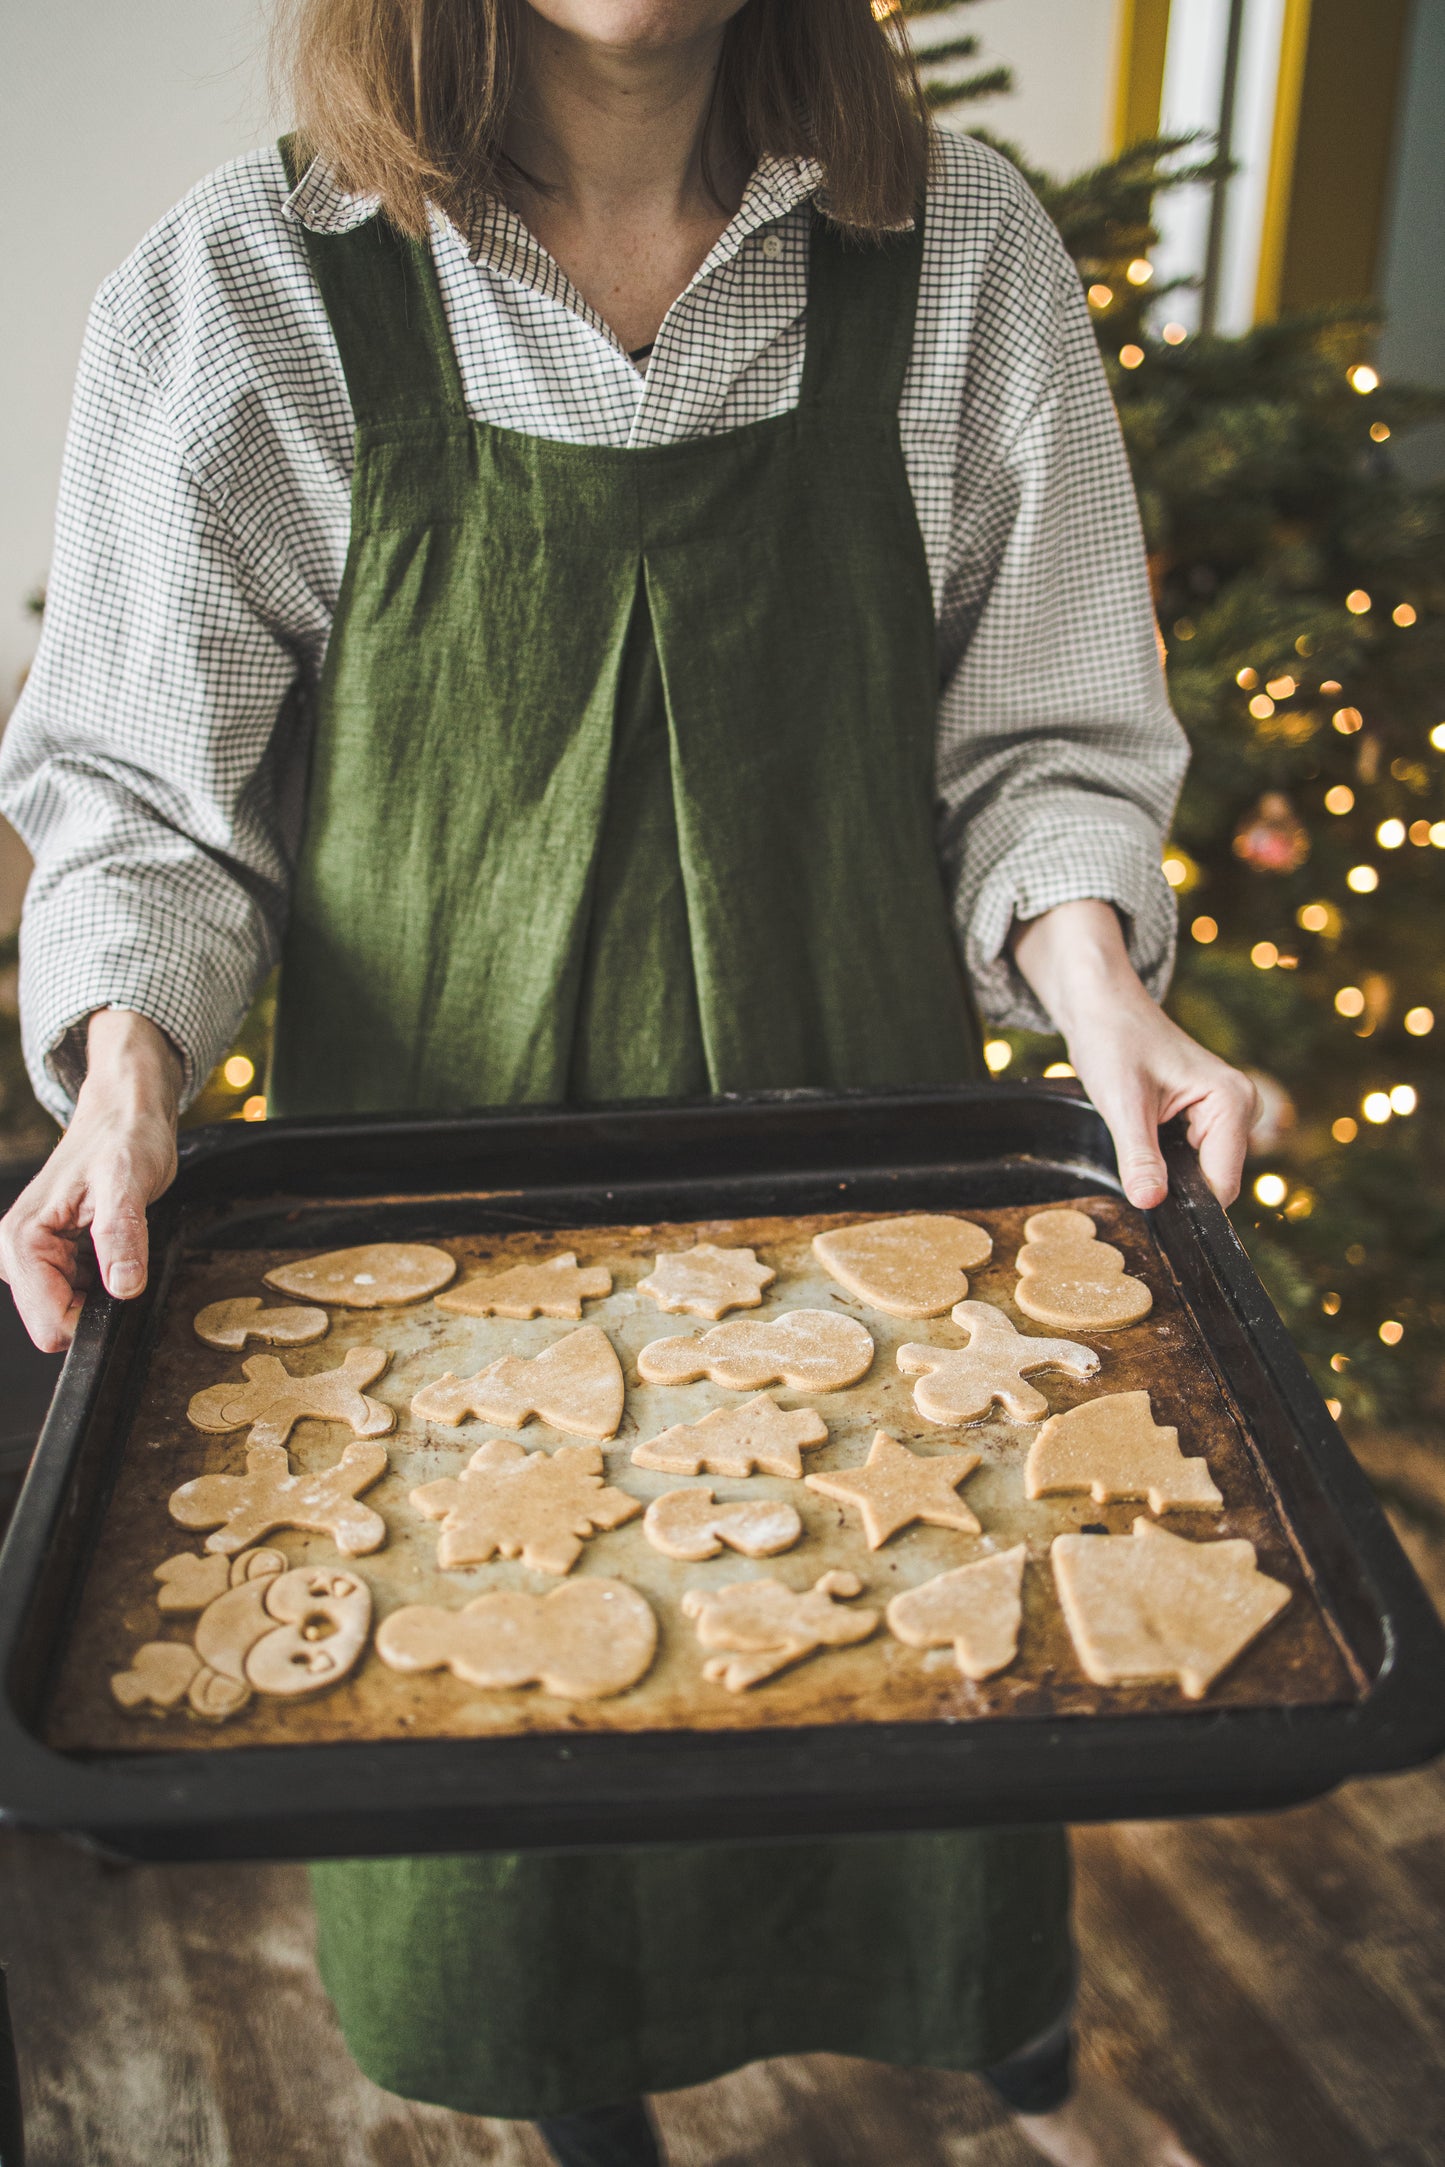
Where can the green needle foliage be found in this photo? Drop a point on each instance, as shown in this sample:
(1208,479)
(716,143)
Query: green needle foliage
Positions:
(1300,581)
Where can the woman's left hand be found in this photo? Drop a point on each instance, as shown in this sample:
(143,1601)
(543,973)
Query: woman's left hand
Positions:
(1137,1066)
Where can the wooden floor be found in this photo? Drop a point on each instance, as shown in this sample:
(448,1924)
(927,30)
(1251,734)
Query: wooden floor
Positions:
(1277,1985)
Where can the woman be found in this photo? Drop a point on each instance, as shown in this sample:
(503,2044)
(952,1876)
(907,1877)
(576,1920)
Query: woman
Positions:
(733,613)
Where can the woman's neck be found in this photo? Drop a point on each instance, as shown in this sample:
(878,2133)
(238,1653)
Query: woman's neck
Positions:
(609,147)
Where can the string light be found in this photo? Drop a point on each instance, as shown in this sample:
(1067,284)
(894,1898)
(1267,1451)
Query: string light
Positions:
(1349,1001)
(1390,834)
(1304,645)
(1391,1332)
(1437,834)
(1437,737)
(1380,431)
(1420,833)
(1185,628)
(997,1053)
(1419,1022)
(1100,296)
(1340,799)
(1347,720)
(1140,271)
(1363,378)
(1174,334)
(1363,879)
(1331,686)
(1059,1068)
(1404,1099)
(1403,613)
(254,1110)
(1247,679)
(1339,1363)
(1281,688)
(1264,955)
(1130,357)
(1330,1304)
(1261,707)
(1376,1107)
(1176,872)
(1357,602)
(1317,918)
(1204,931)
(1345,1130)
(1271,1189)
(1335,1409)
(238,1071)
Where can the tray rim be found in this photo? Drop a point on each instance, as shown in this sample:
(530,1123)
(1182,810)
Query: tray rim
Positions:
(556,1789)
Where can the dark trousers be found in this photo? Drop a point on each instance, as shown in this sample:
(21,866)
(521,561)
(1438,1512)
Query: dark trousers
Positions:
(1034,2081)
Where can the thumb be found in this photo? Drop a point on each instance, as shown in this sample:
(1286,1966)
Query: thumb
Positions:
(121,1238)
(1136,1146)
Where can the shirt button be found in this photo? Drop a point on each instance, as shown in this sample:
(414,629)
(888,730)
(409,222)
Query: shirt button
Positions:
(772,246)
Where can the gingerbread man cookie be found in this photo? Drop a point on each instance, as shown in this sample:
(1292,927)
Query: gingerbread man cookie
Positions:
(243,1508)
(272,1401)
(961,1384)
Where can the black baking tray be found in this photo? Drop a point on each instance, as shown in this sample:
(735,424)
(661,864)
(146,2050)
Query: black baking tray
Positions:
(986,1145)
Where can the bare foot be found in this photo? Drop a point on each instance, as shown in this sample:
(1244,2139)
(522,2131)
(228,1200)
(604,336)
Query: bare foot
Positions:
(1102,2125)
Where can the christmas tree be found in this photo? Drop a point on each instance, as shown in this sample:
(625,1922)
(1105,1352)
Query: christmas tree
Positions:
(1300,584)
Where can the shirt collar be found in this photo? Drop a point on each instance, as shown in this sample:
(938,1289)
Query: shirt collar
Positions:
(778,186)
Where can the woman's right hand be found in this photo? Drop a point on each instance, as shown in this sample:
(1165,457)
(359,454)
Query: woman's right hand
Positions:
(117,1156)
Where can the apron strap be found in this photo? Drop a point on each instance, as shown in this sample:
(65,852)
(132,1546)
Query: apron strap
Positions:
(385,309)
(862,301)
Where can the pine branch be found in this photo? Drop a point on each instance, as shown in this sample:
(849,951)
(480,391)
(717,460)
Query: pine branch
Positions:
(943,97)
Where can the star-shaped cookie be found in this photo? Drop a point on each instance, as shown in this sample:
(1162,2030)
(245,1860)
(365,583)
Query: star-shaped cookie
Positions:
(894,1487)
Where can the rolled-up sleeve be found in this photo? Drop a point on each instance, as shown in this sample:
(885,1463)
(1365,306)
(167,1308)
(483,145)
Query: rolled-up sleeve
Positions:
(146,763)
(1059,757)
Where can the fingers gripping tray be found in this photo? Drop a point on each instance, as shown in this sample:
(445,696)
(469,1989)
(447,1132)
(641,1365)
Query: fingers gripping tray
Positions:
(765,1467)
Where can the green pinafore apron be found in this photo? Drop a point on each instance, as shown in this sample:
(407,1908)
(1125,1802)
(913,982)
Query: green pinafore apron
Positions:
(623,787)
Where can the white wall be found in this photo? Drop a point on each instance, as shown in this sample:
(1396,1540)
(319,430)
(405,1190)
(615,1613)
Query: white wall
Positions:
(110,109)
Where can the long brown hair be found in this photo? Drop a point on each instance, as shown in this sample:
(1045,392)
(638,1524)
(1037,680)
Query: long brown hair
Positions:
(407,99)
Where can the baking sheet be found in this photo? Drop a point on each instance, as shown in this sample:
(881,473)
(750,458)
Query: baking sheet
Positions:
(1297,1661)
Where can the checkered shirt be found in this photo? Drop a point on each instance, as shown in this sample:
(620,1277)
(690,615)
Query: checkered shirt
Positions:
(155,762)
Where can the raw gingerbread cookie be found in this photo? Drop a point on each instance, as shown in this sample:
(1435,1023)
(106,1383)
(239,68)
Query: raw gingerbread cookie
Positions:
(272,1401)
(231,1324)
(958,1384)
(1113,1448)
(768,1626)
(575,1385)
(706,1280)
(894,1487)
(813,1350)
(915,1266)
(735,1441)
(582,1641)
(378,1275)
(1072,1280)
(243,1508)
(687,1524)
(556,1288)
(536,1505)
(1152,1605)
(978,1607)
(262,1629)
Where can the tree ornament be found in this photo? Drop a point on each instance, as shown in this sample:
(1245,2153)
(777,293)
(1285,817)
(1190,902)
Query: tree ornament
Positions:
(1272,838)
